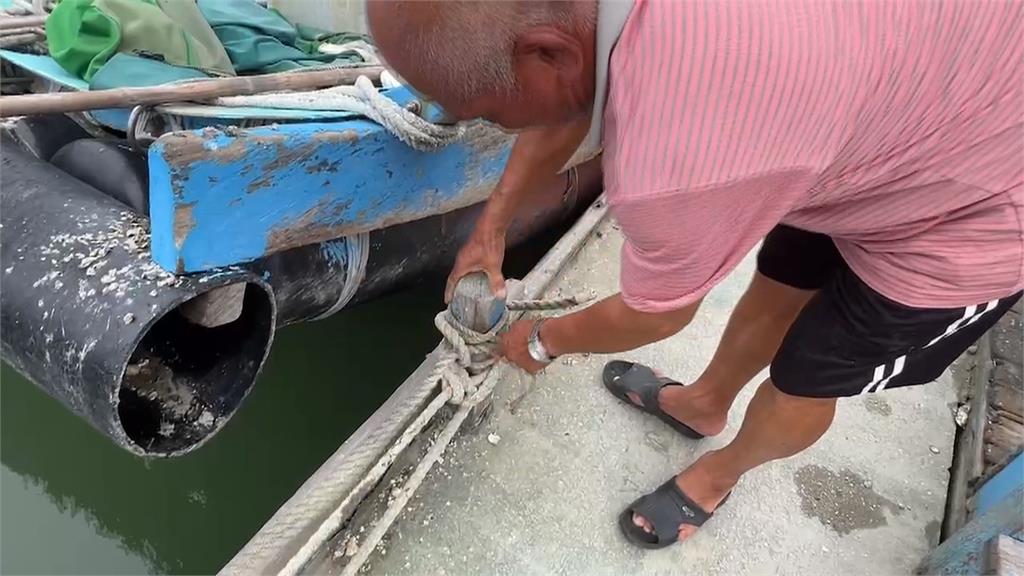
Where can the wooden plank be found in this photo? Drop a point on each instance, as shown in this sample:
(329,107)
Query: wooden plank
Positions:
(196,90)
(1005,556)
(1002,441)
(963,552)
(223,197)
(1008,398)
(968,450)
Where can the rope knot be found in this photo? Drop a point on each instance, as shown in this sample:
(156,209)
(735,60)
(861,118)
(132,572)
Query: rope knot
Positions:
(469,355)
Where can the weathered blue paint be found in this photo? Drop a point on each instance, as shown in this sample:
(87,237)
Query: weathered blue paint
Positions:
(997,487)
(335,251)
(224,197)
(963,551)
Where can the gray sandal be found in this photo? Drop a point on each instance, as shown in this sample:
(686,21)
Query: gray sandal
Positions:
(621,378)
(667,508)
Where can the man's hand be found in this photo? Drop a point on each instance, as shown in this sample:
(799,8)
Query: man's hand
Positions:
(512,346)
(536,156)
(484,252)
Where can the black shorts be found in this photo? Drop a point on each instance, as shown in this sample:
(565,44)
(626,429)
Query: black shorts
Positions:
(849,339)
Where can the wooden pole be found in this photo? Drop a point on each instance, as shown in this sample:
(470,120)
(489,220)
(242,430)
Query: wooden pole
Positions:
(195,90)
(22,22)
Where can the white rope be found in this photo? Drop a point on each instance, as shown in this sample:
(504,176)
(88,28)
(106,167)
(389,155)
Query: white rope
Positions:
(364,99)
(464,372)
(466,352)
(357,253)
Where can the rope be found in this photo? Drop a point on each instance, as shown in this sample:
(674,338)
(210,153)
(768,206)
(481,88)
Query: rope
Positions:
(464,373)
(466,352)
(364,99)
(357,253)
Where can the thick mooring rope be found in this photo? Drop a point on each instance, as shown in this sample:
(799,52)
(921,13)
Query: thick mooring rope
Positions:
(364,99)
(468,354)
(465,376)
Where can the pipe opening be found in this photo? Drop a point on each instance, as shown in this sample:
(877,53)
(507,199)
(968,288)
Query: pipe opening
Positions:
(184,379)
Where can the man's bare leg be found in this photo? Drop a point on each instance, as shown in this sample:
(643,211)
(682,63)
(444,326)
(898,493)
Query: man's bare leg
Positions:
(751,338)
(777,425)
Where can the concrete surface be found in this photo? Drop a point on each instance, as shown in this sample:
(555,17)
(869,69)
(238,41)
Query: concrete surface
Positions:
(868,498)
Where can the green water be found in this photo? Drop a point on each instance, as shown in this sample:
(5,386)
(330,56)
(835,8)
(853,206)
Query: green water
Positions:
(73,503)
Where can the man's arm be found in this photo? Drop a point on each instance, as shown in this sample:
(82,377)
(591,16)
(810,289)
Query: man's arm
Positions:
(536,156)
(606,327)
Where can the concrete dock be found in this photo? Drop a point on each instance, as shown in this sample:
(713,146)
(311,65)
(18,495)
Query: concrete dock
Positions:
(537,487)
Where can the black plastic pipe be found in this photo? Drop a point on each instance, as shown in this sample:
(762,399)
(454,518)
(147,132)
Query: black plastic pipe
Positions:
(87,316)
(309,280)
(159,363)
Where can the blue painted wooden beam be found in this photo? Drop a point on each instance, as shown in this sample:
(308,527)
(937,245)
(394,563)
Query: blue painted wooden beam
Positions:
(997,487)
(225,197)
(963,552)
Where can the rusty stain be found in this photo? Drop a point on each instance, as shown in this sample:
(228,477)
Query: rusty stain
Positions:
(191,148)
(307,228)
(320,223)
(184,222)
(178,177)
(323,166)
(285,158)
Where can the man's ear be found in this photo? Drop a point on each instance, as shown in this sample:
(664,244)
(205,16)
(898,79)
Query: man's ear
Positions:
(549,52)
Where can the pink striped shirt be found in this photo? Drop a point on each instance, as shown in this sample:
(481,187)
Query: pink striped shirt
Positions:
(894,126)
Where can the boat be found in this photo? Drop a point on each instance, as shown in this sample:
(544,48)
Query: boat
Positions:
(151,252)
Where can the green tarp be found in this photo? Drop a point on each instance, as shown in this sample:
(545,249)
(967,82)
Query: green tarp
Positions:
(261,41)
(84,34)
(130,70)
(152,38)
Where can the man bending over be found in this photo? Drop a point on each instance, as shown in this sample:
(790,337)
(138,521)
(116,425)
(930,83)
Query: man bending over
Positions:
(876,148)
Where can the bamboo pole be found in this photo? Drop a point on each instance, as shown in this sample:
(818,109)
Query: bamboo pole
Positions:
(22,21)
(195,90)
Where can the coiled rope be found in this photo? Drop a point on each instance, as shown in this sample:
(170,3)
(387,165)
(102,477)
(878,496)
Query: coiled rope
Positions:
(466,378)
(468,354)
(364,99)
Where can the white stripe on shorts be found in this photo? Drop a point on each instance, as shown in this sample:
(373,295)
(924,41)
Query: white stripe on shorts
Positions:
(971,315)
(879,380)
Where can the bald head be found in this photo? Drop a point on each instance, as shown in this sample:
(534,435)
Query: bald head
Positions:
(478,58)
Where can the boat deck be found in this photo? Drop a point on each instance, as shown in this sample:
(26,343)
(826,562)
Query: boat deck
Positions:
(543,499)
